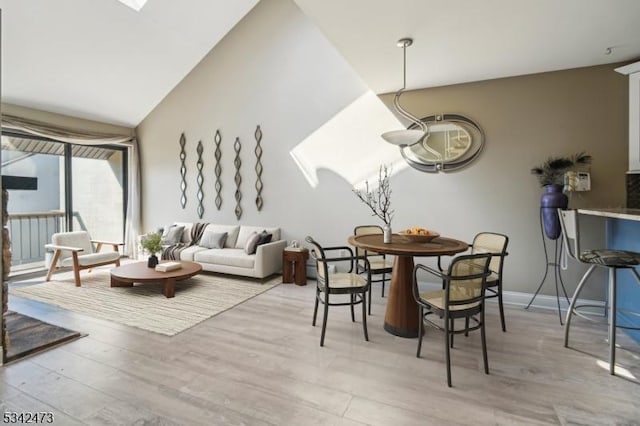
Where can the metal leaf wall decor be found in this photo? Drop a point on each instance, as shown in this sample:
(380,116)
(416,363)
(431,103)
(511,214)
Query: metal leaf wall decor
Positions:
(183,172)
(218,169)
(258,151)
(200,180)
(238,179)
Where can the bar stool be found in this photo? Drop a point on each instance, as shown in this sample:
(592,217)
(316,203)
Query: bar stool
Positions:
(611,259)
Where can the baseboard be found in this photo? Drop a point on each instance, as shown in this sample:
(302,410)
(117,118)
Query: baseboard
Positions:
(543,301)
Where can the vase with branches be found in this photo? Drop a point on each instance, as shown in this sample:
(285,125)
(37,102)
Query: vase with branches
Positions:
(551,176)
(379,200)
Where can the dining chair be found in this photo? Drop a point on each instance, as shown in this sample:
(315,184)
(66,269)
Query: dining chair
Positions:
(462,296)
(348,283)
(75,249)
(496,244)
(605,258)
(381,267)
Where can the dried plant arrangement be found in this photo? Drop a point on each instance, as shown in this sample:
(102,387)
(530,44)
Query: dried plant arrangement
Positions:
(552,171)
(378,199)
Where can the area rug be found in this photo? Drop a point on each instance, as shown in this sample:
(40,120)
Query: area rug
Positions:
(143,305)
(29,335)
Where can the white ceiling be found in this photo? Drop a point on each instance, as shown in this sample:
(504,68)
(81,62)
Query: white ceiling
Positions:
(459,41)
(101,60)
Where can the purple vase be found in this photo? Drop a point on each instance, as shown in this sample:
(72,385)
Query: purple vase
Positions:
(552,199)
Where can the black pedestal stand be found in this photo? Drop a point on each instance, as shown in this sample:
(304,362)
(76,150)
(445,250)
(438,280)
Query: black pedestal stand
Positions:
(555,264)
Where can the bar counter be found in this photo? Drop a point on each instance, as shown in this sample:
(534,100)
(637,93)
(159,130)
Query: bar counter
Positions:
(614,213)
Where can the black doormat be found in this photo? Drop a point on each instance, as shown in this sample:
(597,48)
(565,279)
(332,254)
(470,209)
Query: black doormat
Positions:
(29,335)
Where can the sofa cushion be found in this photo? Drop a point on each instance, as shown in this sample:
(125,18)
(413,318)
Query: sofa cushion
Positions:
(92,258)
(231,230)
(212,239)
(229,257)
(246,231)
(252,243)
(187,253)
(77,239)
(172,235)
(264,237)
(186,235)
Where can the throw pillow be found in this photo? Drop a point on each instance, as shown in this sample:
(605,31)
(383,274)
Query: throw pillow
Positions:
(252,243)
(265,238)
(213,240)
(172,235)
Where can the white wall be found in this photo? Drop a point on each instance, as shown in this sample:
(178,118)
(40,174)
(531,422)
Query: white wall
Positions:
(277,70)
(274,69)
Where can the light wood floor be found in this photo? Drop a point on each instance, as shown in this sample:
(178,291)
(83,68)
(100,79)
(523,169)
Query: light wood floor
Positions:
(260,363)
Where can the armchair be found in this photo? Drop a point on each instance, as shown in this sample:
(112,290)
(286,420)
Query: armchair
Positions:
(75,249)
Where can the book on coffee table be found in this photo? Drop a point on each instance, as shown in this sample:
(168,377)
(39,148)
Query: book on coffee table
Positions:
(168,266)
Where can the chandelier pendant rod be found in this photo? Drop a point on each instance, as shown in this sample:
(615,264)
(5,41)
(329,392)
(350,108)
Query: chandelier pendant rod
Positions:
(404,43)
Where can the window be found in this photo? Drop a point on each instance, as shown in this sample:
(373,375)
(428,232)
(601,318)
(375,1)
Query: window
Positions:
(80,187)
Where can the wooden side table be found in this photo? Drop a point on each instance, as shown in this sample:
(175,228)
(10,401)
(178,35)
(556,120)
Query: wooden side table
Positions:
(294,266)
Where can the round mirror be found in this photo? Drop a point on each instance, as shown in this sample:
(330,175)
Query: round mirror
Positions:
(453,142)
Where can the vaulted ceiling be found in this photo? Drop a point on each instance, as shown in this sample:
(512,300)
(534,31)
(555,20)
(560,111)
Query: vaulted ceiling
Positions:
(103,61)
(458,41)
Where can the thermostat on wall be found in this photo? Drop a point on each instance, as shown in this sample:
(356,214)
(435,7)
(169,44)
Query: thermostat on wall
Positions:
(577,181)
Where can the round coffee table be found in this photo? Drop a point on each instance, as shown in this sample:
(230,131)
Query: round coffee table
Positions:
(139,272)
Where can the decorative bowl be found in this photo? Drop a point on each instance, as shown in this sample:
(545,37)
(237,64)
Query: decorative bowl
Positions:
(417,238)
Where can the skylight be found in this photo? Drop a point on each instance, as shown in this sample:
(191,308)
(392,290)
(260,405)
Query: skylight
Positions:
(134,4)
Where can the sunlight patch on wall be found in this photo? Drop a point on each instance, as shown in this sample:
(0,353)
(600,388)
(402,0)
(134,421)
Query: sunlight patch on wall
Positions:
(134,4)
(350,144)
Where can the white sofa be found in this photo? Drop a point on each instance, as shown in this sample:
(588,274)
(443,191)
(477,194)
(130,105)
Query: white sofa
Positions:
(232,259)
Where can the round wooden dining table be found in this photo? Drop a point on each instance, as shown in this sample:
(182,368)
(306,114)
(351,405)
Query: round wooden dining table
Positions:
(401,318)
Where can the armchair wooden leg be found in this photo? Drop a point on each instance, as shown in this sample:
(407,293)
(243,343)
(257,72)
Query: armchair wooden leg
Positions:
(76,268)
(54,263)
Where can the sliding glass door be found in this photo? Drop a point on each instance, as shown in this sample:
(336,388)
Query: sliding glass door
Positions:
(79,188)
(34,215)
(98,191)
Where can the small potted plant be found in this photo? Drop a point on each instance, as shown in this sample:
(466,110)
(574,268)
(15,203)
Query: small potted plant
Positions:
(152,244)
(550,174)
(379,200)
